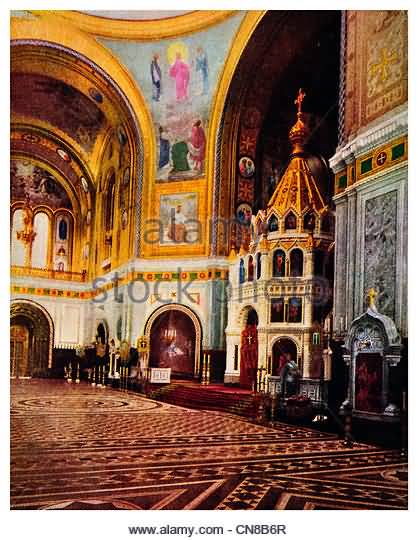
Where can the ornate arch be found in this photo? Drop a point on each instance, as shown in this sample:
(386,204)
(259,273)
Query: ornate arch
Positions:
(187,311)
(34,311)
(84,49)
(289,338)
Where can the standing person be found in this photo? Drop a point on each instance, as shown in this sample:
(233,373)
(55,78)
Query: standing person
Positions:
(202,67)
(156,77)
(181,73)
(164,149)
(198,146)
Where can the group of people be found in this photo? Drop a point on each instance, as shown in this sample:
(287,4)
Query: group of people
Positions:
(182,151)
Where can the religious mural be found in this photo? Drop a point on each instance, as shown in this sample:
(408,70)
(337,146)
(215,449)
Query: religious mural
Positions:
(173,341)
(59,104)
(178,216)
(295,310)
(277,310)
(36,186)
(368,382)
(178,79)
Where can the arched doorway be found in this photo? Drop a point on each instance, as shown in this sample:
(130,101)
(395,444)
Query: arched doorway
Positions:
(249,350)
(284,351)
(174,336)
(285,366)
(31,334)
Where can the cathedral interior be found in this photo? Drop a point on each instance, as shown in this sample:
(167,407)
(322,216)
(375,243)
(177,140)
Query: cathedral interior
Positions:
(208,231)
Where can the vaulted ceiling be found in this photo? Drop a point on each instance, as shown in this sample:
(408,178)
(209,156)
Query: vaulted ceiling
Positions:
(64,113)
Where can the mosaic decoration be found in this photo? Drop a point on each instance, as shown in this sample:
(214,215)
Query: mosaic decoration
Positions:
(244,213)
(178,78)
(192,275)
(36,186)
(369,164)
(246,190)
(377,70)
(246,167)
(126,176)
(78,447)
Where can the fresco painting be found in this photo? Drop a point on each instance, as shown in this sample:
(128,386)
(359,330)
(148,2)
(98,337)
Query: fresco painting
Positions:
(58,104)
(36,186)
(173,342)
(178,215)
(179,79)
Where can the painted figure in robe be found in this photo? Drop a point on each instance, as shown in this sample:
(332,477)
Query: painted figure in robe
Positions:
(198,146)
(181,73)
(156,78)
(179,153)
(202,67)
(164,149)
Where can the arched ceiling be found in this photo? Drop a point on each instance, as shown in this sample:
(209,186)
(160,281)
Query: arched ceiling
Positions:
(284,48)
(64,112)
(59,105)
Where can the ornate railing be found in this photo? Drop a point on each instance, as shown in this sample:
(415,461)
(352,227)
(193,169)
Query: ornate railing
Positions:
(48,274)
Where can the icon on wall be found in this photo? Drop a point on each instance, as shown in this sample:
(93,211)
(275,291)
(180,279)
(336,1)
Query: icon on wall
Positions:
(63,154)
(246,167)
(244,213)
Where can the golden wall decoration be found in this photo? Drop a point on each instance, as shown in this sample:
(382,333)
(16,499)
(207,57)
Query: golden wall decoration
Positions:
(205,186)
(377,70)
(380,159)
(75,32)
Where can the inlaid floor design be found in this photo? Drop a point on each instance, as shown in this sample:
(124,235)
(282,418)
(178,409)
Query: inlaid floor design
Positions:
(78,447)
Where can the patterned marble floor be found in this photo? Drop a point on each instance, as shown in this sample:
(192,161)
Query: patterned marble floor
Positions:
(78,447)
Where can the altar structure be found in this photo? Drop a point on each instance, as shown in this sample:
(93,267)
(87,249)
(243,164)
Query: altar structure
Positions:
(281,282)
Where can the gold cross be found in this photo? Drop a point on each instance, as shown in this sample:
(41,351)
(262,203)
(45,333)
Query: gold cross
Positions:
(299,99)
(381,68)
(372,295)
(250,339)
